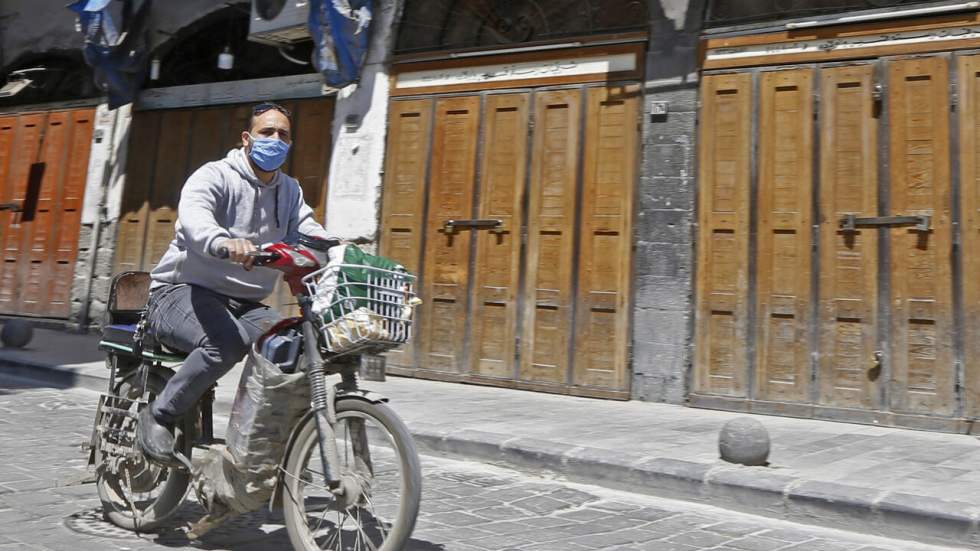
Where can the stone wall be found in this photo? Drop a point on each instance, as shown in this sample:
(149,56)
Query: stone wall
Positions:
(359,132)
(100,217)
(665,210)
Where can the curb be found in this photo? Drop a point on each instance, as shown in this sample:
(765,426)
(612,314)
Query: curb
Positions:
(753,490)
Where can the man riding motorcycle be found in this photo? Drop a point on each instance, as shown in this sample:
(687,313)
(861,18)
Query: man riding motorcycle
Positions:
(202,304)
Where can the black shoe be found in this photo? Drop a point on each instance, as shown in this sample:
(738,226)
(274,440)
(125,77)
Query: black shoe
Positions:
(155,439)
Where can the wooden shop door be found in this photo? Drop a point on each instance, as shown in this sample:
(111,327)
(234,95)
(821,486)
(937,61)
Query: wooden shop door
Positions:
(491,196)
(829,351)
(39,248)
(167,146)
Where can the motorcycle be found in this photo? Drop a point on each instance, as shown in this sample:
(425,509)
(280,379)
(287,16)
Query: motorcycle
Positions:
(349,474)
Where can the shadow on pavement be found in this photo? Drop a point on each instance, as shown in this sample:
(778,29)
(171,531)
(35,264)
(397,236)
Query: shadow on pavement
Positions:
(260,529)
(16,378)
(68,350)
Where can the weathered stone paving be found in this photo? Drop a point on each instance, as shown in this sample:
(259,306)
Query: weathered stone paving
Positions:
(467,506)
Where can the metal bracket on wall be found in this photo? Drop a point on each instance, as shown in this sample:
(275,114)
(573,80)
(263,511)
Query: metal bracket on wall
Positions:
(850,223)
(451,226)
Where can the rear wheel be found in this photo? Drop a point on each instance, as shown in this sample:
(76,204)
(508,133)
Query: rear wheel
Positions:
(379,467)
(137,494)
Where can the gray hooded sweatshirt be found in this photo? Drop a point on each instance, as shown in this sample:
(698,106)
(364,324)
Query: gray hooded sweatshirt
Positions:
(226,200)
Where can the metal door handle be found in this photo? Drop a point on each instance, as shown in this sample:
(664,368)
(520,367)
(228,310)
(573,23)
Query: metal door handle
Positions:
(849,222)
(453,225)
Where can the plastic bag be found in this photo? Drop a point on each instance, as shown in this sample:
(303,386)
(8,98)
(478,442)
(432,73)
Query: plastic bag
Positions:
(241,475)
(326,302)
(353,328)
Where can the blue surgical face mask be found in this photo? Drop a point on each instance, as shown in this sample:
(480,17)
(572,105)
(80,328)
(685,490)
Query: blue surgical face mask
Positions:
(268,153)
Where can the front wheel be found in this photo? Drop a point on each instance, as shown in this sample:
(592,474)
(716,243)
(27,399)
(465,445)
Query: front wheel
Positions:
(378,461)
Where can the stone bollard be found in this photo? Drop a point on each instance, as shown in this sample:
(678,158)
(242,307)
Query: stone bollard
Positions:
(745,441)
(16,333)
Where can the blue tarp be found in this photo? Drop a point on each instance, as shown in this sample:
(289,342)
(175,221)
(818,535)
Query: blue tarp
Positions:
(340,31)
(117,57)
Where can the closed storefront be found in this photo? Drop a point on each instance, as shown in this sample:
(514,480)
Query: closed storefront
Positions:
(512,197)
(44,158)
(167,145)
(838,226)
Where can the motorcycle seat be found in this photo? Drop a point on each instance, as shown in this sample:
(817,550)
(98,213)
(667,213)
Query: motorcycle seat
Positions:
(119,333)
(120,336)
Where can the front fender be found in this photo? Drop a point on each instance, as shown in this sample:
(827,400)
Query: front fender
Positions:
(275,502)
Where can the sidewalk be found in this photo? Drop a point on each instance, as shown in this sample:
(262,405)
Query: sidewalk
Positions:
(892,482)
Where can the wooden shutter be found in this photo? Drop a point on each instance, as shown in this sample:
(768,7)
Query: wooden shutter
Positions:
(135,207)
(447,252)
(497,275)
(722,282)
(16,235)
(969,114)
(551,236)
(65,245)
(9,127)
(602,310)
(921,355)
(169,174)
(403,199)
(208,131)
(39,254)
(54,231)
(783,261)
(40,231)
(238,119)
(848,260)
(313,120)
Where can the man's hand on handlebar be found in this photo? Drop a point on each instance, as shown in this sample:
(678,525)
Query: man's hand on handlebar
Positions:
(238,251)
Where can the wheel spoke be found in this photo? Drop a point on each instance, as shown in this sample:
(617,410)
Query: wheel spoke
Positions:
(322,518)
(361,532)
(377,519)
(341,519)
(382,486)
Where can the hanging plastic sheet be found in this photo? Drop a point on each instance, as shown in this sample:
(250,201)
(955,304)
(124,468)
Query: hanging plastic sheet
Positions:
(340,31)
(115,45)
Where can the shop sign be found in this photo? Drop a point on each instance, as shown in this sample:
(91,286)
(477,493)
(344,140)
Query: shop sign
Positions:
(844,44)
(502,72)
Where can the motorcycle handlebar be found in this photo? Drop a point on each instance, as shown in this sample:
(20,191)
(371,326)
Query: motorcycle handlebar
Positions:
(261,257)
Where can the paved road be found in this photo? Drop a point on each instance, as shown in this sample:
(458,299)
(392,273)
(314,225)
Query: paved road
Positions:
(466,505)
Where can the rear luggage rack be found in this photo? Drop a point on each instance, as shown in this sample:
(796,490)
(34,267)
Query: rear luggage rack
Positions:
(114,434)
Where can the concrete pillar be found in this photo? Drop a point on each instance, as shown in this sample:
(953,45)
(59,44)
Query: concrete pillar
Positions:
(360,122)
(664,230)
(100,215)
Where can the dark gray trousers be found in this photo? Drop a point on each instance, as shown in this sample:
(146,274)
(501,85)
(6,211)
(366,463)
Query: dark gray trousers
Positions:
(217,332)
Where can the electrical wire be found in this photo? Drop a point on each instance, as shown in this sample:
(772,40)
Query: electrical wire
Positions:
(291,58)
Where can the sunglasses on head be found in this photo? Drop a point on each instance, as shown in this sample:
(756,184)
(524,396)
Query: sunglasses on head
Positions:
(267,106)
